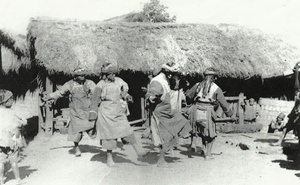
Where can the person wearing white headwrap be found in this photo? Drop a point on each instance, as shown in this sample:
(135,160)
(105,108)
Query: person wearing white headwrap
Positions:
(82,117)
(110,96)
(167,124)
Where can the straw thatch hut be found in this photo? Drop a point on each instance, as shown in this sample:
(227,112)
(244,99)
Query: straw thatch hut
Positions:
(59,46)
(13,52)
(235,51)
(17,75)
(14,63)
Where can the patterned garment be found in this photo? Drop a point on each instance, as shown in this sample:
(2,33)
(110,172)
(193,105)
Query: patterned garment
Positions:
(207,105)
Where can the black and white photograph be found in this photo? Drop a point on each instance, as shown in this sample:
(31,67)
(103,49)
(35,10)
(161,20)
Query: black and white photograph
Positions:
(149,92)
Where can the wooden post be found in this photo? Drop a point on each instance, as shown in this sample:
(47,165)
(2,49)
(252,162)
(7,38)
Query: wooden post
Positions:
(40,114)
(143,107)
(1,67)
(240,108)
(49,111)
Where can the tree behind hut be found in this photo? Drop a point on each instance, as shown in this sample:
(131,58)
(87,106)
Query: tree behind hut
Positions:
(152,12)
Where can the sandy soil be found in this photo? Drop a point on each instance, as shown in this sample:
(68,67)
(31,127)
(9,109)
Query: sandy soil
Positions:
(51,160)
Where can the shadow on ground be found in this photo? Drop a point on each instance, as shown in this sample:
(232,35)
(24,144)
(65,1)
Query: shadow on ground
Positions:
(293,158)
(153,154)
(25,171)
(266,140)
(85,149)
(117,157)
(190,152)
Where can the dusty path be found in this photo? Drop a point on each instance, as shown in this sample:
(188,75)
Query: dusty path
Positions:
(51,161)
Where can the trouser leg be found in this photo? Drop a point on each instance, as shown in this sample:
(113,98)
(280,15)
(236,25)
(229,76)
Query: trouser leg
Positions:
(161,158)
(209,146)
(137,148)
(16,171)
(110,162)
(76,139)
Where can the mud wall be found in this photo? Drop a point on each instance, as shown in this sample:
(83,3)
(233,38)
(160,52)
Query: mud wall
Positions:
(270,108)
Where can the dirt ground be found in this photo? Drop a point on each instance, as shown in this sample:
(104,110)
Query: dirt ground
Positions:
(241,159)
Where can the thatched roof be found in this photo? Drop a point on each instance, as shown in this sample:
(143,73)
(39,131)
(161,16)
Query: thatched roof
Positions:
(235,51)
(14,51)
(123,18)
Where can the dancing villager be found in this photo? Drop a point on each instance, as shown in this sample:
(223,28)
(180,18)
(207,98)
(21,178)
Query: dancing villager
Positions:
(206,96)
(166,124)
(82,117)
(10,136)
(293,122)
(112,123)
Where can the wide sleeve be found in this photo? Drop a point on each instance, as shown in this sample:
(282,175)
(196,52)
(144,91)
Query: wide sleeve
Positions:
(124,85)
(190,94)
(223,103)
(91,86)
(155,90)
(96,96)
(96,99)
(61,91)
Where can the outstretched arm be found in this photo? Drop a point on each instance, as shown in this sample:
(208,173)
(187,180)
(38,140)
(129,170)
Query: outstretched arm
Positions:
(155,91)
(60,92)
(191,94)
(95,101)
(223,103)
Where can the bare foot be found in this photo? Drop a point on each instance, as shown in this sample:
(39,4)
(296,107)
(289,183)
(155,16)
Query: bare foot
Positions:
(194,148)
(209,157)
(143,154)
(77,152)
(276,144)
(111,163)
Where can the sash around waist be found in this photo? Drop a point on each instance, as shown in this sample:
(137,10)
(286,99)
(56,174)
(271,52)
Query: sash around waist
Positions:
(204,106)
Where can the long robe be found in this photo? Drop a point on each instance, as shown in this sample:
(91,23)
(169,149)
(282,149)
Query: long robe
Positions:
(112,121)
(167,123)
(79,105)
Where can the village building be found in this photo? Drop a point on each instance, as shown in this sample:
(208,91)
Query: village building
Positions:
(241,55)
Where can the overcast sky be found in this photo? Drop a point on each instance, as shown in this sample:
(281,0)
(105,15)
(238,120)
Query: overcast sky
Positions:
(271,16)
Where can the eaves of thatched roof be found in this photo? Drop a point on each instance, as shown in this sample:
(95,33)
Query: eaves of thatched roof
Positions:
(14,51)
(60,46)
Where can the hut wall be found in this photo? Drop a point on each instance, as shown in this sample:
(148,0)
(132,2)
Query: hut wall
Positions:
(270,108)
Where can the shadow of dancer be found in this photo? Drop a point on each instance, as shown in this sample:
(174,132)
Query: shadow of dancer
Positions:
(25,171)
(118,157)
